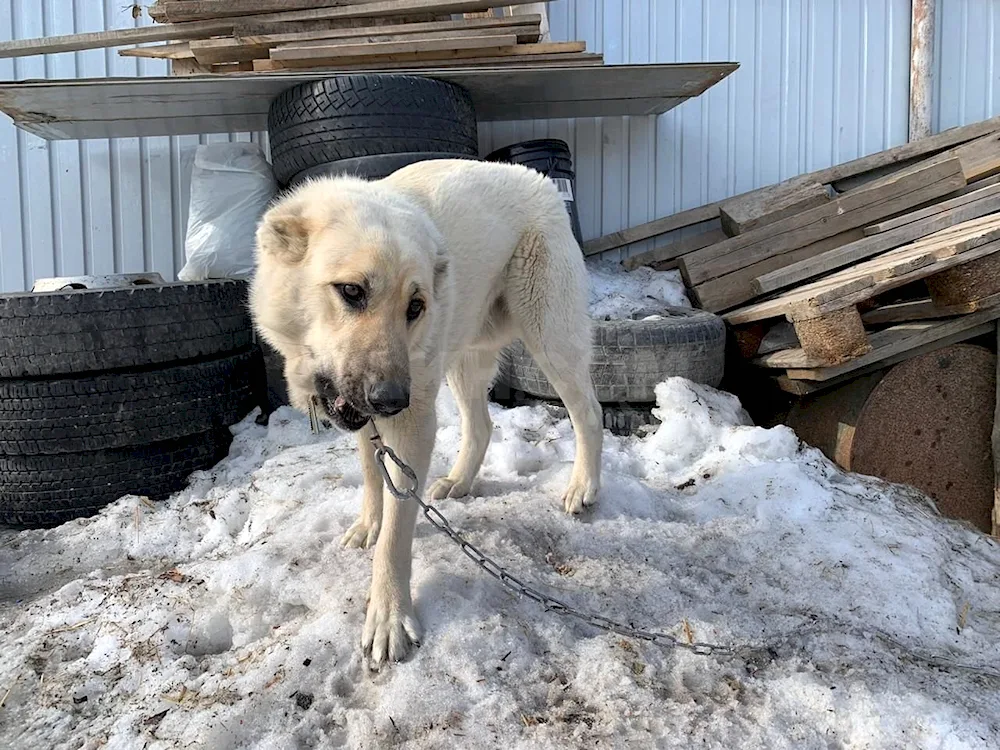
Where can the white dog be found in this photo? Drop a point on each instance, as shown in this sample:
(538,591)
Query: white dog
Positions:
(374,291)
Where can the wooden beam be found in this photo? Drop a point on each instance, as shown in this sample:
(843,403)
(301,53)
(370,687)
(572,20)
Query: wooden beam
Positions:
(996,447)
(868,247)
(181,11)
(253,47)
(471,45)
(674,250)
(173,51)
(771,204)
(460,49)
(624,237)
(203,29)
(850,210)
(571,60)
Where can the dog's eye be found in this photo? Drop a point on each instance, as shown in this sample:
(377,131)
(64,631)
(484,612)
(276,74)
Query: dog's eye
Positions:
(353,294)
(413,311)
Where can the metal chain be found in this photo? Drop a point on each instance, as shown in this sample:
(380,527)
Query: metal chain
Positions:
(513,583)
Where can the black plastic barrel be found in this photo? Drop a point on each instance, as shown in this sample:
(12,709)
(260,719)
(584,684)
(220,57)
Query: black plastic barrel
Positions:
(551,157)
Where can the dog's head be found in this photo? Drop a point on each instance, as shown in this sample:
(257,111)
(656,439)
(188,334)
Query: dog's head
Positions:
(349,280)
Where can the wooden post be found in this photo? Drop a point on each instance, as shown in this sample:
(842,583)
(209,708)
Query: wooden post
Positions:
(921,67)
(996,447)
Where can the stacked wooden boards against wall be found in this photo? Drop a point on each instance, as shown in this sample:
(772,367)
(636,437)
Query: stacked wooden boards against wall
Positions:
(847,269)
(222,36)
(362,34)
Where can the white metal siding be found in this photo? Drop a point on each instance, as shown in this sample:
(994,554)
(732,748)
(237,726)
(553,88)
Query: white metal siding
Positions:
(821,81)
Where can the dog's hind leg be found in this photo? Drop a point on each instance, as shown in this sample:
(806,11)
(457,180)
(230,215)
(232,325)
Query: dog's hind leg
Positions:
(469,381)
(364,532)
(548,301)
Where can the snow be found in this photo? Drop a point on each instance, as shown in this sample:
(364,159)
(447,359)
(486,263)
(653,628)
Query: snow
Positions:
(229,616)
(617,294)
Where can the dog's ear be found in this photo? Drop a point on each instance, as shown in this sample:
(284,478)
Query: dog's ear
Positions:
(284,234)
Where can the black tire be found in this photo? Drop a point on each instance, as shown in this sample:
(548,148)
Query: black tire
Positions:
(40,491)
(59,333)
(347,116)
(631,357)
(372,167)
(115,410)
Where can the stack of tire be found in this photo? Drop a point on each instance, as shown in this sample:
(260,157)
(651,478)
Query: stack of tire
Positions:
(116,391)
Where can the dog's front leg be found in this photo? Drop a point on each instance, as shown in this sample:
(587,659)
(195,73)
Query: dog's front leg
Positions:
(364,532)
(391,625)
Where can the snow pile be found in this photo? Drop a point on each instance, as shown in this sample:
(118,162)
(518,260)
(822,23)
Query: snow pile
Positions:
(616,294)
(229,616)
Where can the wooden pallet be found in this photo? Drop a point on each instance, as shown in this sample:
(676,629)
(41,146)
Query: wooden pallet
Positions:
(825,315)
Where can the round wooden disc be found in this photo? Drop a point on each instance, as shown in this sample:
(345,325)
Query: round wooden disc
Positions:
(928,424)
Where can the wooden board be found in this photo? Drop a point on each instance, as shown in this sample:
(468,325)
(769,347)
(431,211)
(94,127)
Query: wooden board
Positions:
(674,250)
(969,196)
(880,160)
(521,62)
(771,204)
(390,51)
(257,46)
(934,253)
(179,11)
(846,212)
(725,292)
(201,29)
(523,35)
(172,51)
(892,345)
(868,247)
(903,312)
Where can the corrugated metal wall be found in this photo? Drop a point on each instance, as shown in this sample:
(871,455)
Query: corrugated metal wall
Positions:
(822,81)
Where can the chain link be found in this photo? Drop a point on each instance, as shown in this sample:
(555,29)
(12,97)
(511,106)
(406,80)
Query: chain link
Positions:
(550,604)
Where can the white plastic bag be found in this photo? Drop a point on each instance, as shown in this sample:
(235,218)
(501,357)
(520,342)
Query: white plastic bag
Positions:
(231,184)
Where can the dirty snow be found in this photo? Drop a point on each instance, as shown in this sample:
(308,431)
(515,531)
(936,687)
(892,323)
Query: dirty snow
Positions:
(616,295)
(229,616)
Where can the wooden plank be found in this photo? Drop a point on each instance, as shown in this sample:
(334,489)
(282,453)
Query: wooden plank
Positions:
(737,287)
(623,237)
(520,33)
(995,440)
(903,341)
(453,49)
(902,312)
(867,247)
(573,60)
(674,250)
(938,208)
(201,29)
(846,212)
(867,280)
(771,204)
(257,46)
(173,51)
(180,11)
(851,370)
(497,46)
(242,27)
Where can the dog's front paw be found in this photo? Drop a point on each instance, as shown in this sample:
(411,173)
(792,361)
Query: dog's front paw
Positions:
(579,493)
(445,487)
(391,629)
(363,533)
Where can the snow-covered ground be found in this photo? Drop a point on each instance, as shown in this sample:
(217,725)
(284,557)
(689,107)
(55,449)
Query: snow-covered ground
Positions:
(229,616)
(617,295)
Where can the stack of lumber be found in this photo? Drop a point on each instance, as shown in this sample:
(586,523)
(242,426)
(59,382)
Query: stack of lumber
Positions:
(849,269)
(221,36)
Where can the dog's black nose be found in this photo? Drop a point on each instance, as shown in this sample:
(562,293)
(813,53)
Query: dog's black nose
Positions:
(325,387)
(389,397)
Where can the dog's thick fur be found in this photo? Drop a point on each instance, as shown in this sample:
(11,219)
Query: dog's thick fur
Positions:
(484,253)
